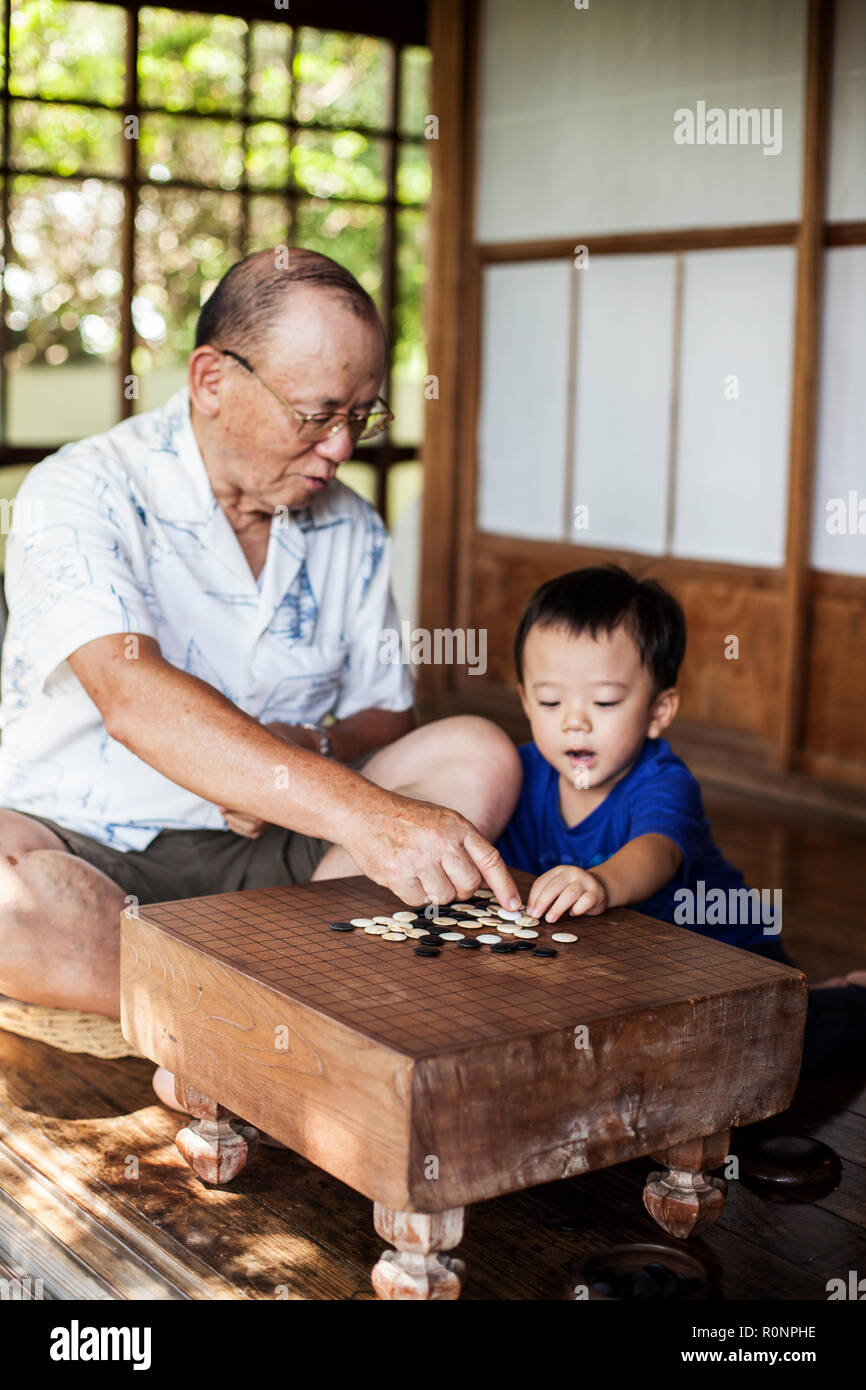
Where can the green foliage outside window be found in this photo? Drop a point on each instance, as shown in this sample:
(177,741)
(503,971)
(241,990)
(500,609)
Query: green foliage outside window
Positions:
(307,166)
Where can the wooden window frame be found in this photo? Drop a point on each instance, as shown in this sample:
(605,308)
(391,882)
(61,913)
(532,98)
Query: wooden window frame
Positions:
(400,28)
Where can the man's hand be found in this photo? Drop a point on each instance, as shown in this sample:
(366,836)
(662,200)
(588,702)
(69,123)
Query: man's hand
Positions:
(249,826)
(564,888)
(426,853)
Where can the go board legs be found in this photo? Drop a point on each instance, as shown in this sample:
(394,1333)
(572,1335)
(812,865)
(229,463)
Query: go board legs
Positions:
(216,1145)
(417,1269)
(684,1199)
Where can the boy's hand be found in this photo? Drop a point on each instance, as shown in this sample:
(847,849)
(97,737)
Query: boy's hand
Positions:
(566,887)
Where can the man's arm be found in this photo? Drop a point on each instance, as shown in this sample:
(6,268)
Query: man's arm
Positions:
(359,733)
(197,738)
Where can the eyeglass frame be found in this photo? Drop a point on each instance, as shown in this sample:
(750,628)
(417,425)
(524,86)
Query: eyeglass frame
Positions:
(345,418)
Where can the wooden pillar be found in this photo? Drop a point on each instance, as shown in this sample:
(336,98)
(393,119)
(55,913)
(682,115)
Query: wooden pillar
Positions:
(444,323)
(810,257)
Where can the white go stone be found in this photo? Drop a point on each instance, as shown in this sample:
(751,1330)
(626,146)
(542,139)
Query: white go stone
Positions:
(489,938)
(526,933)
(451,936)
(405,916)
(394,936)
(384,921)
(508,916)
(362,921)
(376,929)
(563,936)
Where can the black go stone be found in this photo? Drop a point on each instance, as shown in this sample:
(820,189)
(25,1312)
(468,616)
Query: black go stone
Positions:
(431,939)
(504,948)
(524,945)
(426,951)
(470,945)
(342,926)
(544,951)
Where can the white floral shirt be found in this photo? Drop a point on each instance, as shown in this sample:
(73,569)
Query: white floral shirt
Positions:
(121,533)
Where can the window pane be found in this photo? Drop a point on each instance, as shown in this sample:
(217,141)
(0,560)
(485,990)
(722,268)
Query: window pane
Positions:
(11,479)
(185,243)
(342,79)
(409,357)
(361,478)
(413,174)
(181,147)
(404,488)
(344,164)
(351,235)
(65,139)
(414,90)
(68,50)
(268,223)
(63,286)
(268,156)
(270,81)
(191,61)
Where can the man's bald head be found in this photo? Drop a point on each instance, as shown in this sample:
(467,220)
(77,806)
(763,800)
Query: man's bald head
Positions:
(247,304)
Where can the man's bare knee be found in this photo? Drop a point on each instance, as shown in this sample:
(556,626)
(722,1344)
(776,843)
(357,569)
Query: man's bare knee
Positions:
(59,931)
(20,834)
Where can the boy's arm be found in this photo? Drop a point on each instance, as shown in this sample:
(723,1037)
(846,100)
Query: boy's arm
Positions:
(639,869)
(635,872)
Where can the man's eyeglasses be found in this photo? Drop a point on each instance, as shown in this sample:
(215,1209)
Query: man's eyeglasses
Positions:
(312,428)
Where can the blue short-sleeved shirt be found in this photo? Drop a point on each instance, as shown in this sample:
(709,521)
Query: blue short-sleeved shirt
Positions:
(658,795)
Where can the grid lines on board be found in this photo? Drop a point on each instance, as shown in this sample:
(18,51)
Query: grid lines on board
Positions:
(282,938)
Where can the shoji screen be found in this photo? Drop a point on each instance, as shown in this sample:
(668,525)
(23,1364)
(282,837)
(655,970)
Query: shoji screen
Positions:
(652,390)
(641,403)
(840,473)
(577,114)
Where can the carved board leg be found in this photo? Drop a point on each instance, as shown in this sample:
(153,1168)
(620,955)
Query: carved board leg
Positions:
(417,1269)
(684,1199)
(216,1145)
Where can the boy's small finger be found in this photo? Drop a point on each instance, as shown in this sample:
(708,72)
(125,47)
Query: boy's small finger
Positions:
(562,904)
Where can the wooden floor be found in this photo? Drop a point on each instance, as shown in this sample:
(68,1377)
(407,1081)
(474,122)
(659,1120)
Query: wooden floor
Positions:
(94,1199)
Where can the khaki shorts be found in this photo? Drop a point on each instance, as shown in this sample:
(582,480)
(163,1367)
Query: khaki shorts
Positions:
(194,863)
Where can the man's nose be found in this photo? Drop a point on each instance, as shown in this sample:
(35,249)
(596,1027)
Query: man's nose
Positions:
(337,448)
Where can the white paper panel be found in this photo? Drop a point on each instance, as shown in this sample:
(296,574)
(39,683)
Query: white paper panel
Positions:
(846,187)
(524,398)
(732,462)
(622,430)
(841,454)
(577,114)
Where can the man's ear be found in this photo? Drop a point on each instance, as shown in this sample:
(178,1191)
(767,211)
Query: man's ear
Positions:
(662,712)
(204,375)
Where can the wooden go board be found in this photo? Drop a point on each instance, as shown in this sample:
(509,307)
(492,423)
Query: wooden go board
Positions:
(508,1070)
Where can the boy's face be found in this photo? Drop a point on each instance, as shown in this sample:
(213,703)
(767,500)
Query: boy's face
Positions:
(590,703)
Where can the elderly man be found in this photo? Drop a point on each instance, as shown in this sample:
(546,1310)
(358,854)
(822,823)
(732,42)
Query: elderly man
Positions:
(190,595)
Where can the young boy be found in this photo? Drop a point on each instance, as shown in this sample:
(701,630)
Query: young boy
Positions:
(608,814)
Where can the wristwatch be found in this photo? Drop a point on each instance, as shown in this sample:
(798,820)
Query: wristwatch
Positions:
(323,737)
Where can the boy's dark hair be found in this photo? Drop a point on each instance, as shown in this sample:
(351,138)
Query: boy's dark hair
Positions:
(602,598)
